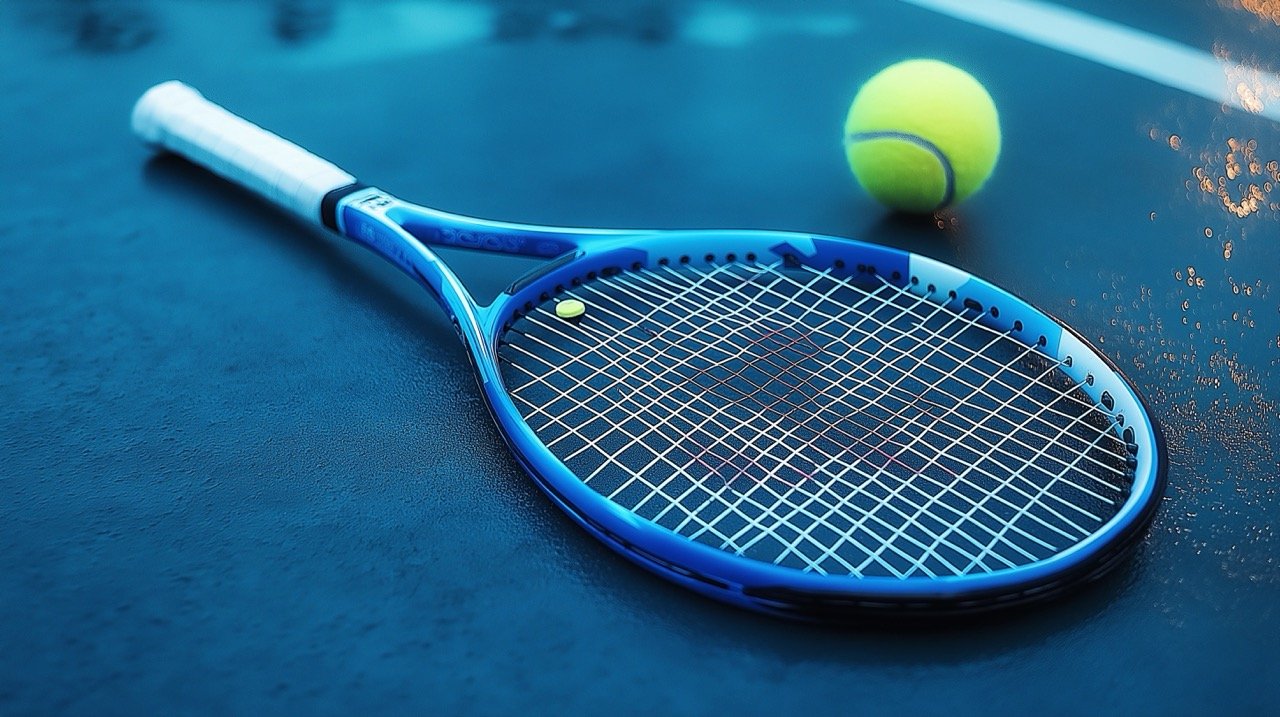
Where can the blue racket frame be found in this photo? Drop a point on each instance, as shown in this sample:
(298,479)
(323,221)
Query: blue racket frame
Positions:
(176,117)
(403,232)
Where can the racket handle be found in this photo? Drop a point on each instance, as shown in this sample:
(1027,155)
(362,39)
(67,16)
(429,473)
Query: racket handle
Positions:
(176,117)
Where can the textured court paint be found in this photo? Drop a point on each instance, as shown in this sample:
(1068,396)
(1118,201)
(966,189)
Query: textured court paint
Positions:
(241,476)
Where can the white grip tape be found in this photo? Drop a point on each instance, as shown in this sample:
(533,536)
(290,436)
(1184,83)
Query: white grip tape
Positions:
(174,116)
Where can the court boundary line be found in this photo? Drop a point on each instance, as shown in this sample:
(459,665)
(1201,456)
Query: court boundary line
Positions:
(1118,46)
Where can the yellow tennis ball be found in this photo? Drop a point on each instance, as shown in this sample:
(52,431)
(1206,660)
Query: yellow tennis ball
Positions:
(921,135)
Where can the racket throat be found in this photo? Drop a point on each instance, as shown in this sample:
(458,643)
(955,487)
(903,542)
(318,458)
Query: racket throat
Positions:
(331,201)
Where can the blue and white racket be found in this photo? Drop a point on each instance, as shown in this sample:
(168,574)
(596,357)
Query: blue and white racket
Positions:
(803,425)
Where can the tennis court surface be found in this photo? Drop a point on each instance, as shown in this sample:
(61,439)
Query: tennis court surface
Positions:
(245,465)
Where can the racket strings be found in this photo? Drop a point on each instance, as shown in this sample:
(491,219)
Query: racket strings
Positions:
(749,508)
(873,516)
(994,378)
(958,400)
(914,398)
(945,342)
(802,419)
(677,466)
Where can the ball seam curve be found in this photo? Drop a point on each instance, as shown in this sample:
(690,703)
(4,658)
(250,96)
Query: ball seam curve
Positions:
(948,173)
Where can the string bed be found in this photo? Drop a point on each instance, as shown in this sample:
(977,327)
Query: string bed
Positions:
(834,424)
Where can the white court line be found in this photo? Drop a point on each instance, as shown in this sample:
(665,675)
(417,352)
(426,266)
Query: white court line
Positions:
(1139,53)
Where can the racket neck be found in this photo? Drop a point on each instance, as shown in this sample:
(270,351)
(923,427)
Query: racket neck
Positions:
(436,228)
(332,200)
(361,214)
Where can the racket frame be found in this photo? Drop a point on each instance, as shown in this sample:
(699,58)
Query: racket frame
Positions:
(403,232)
(176,117)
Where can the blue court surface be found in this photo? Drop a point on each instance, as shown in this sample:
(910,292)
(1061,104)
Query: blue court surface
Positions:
(245,468)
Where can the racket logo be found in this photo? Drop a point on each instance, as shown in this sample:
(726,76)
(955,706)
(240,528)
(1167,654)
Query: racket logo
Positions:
(375,202)
(480,240)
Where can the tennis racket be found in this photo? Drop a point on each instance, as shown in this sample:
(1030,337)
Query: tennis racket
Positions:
(803,425)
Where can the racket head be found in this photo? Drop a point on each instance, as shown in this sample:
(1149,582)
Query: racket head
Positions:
(610,269)
(812,589)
